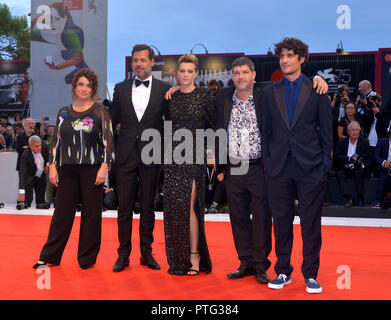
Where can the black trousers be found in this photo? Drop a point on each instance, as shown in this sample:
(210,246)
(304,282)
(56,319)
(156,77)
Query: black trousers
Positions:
(282,191)
(382,186)
(358,177)
(220,195)
(76,181)
(37,185)
(250,215)
(127,178)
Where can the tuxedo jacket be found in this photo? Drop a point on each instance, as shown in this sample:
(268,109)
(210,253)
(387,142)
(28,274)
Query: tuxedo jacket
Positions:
(122,111)
(362,149)
(309,136)
(223,105)
(27,166)
(22,141)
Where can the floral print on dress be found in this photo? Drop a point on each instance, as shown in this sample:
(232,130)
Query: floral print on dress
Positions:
(84,125)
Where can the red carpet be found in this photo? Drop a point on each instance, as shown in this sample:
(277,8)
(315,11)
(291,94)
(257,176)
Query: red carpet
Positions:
(366,251)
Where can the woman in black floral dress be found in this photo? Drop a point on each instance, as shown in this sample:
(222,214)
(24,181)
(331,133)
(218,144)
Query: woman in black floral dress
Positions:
(82,147)
(190,109)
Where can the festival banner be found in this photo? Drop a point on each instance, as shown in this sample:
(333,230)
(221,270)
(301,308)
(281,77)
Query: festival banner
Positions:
(210,67)
(66,36)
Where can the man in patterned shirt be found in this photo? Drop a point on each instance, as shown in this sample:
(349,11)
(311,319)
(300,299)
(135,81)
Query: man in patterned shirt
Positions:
(238,112)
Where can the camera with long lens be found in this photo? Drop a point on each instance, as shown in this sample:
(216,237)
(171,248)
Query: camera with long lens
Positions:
(339,95)
(21,205)
(107,103)
(354,162)
(372,102)
(357,161)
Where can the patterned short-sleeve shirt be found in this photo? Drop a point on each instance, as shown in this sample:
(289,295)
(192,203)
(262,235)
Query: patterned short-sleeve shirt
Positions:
(244,137)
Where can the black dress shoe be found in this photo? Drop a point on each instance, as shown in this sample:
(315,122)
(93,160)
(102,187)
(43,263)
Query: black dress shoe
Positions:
(243,271)
(349,203)
(86,266)
(150,262)
(261,276)
(120,264)
(360,201)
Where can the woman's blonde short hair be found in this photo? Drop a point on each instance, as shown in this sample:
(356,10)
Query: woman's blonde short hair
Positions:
(188,58)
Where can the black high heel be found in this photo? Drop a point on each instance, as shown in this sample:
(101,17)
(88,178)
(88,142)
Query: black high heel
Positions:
(197,272)
(39,264)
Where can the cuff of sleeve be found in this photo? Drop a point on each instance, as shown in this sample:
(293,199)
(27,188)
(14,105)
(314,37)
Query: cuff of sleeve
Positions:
(21,191)
(382,164)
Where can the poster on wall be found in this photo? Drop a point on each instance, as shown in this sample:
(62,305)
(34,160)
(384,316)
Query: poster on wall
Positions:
(335,69)
(14,86)
(210,67)
(386,77)
(66,36)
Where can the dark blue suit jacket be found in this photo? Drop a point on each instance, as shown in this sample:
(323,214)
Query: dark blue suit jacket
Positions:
(381,151)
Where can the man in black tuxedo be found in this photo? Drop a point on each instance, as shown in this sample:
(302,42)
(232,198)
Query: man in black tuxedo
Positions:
(352,160)
(138,105)
(32,173)
(238,111)
(296,148)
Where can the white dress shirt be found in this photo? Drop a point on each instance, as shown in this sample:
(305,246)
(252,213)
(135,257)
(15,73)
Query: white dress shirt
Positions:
(372,137)
(39,162)
(140,97)
(352,148)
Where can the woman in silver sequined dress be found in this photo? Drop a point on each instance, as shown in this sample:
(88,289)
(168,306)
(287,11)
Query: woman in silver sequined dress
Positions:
(189,110)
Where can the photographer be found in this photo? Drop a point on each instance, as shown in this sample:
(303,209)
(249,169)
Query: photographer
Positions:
(32,174)
(382,158)
(365,89)
(375,125)
(352,157)
(338,104)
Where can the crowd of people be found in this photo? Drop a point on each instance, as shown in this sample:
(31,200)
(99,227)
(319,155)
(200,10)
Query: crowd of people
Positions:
(288,152)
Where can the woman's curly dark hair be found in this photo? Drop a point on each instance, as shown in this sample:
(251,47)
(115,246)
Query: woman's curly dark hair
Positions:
(92,78)
(298,47)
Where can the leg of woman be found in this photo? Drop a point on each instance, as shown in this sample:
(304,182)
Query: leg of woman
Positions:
(91,216)
(194,235)
(63,216)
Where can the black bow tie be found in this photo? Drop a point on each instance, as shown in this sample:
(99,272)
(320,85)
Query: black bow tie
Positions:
(145,83)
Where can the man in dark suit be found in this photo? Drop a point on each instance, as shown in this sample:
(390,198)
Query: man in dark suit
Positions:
(138,105)
(382,158)
(32,173)
(352,158)
(296,148)
(246,192)
(22,140)
(238,112)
